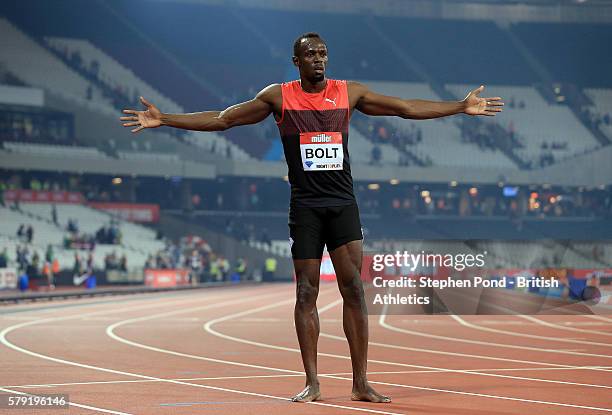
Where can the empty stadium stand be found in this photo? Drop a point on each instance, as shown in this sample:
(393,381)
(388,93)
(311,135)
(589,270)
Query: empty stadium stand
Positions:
(442,141)
(539,124)
(53,150)
(110,71)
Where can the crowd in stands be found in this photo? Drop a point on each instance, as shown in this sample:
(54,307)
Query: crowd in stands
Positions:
(38,268)
(79,241)
(547,155)
(381,132)
(83,264)
(25,233)
(109,234)
(596,118)
(93,191)
(246,232)
(36,125)
(265,196)
(33,124)
(481,134)
(114,262)
(473,202)
(195,254)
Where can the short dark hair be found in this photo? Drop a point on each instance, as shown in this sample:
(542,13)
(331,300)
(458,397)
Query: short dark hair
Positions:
(298,41)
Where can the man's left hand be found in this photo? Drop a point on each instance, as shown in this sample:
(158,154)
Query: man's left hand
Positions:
(475,105)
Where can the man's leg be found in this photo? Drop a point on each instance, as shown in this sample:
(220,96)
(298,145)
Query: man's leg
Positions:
(347,264)
(307,324)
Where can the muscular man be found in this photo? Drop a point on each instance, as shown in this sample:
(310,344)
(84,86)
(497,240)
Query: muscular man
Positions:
(312,115)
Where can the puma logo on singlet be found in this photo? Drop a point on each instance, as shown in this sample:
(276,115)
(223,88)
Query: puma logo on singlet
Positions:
(332,101)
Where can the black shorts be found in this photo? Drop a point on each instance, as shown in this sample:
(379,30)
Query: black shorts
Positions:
(311,228)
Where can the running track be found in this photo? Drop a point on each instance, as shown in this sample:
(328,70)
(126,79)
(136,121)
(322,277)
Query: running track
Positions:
(233,350)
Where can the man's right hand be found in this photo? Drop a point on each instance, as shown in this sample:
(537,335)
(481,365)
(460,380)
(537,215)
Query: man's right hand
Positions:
(150,118)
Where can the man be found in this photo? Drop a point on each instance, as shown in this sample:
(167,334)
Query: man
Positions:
(312,115)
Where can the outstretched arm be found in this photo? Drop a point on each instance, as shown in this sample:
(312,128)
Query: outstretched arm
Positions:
(371,103)
(248,112)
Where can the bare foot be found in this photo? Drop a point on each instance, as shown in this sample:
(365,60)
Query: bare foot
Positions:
(309,394)
(369,395)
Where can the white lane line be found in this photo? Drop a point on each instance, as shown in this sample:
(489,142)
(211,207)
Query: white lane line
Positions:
(491,344)
(468,355)
(557,326)
(520,369)
(383,323)
(18,318)
(110,331)
(288,375)
(78,405)
(7,343)
(45,308)
(517,334)
(329,306)
(137,303)
(598,317)
(208,328)
(534,336)
(507,398)
(568,308)
(131,307)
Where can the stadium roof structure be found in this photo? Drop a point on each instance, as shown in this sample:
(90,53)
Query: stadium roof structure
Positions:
(583,11)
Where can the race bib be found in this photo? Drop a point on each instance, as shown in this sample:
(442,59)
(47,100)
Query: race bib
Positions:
(321,151)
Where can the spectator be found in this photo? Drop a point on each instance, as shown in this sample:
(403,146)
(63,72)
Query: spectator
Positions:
(376,155)
(224,268)
(30,234)
(55,267)
(54,215)
(35,260)
(77,267)
(73,226)
(2,189)
(195,263)
(90,263)
(383,135)
(123,263)
(94,68)
(48,275)
(22,256)
(241,268)
(3,258)
(215,272)
(269,269)
(149,263)
(265,238)
(49,254)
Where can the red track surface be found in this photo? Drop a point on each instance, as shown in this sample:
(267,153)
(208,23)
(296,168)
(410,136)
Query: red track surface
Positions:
(234,350)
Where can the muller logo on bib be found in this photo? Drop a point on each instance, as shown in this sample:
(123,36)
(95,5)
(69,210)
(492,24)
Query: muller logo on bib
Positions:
(321,138)
(321,151)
